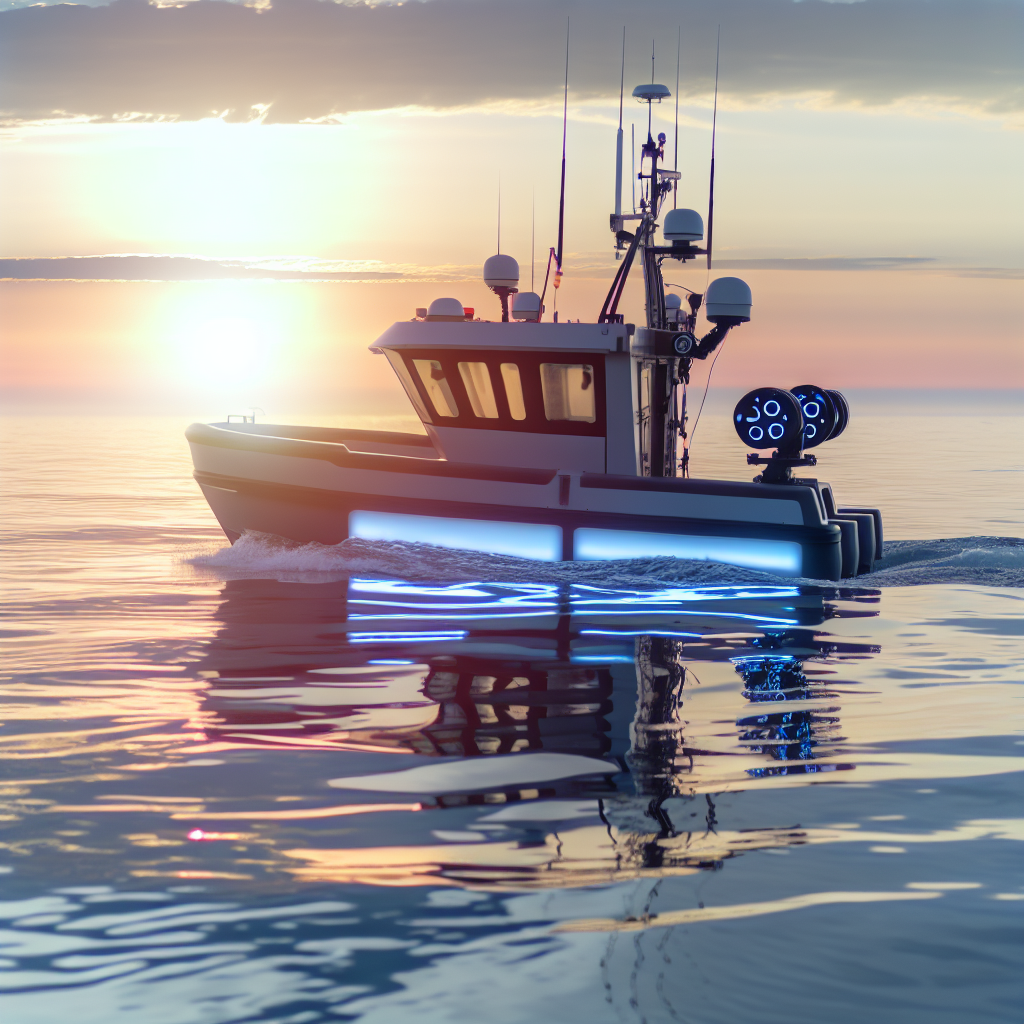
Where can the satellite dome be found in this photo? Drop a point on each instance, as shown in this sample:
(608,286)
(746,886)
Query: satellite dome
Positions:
(446,309)
(673,302)
(526,306)
(652,92)
(728,298)
(501,271)
(683,226)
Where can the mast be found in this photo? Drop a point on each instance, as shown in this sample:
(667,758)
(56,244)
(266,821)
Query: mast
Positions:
(663,351)
(675,157)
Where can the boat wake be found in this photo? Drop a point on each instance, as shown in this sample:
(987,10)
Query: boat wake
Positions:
(984,561)
(981,561)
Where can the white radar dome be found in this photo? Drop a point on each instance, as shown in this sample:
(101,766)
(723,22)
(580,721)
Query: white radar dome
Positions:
(446,309)
(526,306)
(650,91)
(673,302)
(728,298)
(501,271)
(683,226)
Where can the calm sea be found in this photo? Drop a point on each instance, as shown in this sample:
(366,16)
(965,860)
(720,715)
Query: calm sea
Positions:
(390,784)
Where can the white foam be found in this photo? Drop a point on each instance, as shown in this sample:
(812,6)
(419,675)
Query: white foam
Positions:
(265,553)
(992,558)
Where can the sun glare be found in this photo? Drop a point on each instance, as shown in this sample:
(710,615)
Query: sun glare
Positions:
(230,338)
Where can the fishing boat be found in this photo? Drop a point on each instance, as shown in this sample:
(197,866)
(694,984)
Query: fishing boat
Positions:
(557,440)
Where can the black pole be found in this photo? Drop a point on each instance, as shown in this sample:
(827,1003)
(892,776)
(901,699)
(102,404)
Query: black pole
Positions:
(565,116)
(714,126)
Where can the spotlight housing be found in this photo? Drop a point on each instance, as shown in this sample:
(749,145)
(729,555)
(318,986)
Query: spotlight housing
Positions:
(819,412)
(683,343)
(769,418)
(842,412)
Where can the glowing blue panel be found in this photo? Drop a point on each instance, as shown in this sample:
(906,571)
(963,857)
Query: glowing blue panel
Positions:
(524,540)
(779,556)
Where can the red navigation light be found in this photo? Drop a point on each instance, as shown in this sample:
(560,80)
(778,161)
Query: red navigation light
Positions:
(469,311)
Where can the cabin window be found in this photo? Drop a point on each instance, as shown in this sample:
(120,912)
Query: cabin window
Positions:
(514,390)
(436,386)
(477,380)
(398,365)
(568,392)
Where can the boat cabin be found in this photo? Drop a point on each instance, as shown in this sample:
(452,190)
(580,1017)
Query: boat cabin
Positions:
(531,395)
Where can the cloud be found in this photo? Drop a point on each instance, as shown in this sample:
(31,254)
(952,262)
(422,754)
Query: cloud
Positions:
(309,60)
(131,267)
(144,267)
(826,263)
(920,264)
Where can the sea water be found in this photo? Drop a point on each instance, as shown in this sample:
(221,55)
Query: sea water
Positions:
(391,783)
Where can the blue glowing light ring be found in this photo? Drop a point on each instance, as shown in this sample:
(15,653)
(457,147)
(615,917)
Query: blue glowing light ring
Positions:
(769,418)
(819,412)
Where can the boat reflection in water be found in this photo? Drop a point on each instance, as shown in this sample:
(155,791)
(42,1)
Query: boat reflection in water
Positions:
(528,735)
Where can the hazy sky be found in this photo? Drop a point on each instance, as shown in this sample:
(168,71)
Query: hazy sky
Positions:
(869,165)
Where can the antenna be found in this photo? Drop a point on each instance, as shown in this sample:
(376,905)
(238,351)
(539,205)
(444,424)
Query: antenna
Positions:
(565,119)
(499,213)
(618,137)
(652,62)
(632,161)
(533,234)
(675,160)
(714,125)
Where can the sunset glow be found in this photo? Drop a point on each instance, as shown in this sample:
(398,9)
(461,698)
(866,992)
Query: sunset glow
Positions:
(877,216)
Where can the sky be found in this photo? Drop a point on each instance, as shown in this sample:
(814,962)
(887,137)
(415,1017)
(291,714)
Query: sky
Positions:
(319,169)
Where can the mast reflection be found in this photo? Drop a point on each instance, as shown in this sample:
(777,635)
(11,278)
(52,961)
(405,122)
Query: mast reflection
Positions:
(559,735)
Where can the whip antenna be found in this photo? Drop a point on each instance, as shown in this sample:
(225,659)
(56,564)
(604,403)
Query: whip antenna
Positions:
(632,161)
(565,118)
(714,124)
(675,160)
(618,137)
(499,213)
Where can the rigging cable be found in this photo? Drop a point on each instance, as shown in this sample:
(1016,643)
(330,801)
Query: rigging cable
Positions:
(706,386)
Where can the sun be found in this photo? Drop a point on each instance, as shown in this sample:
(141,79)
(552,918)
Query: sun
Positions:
(230,339)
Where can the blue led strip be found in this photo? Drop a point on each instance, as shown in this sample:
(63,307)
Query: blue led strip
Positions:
(779,556)
(538,541)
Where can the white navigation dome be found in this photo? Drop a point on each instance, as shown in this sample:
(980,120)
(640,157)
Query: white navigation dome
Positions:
(683,226)
(652,92)
(673,302)
(501,271)
(526,306)
(446,309)
(728,298)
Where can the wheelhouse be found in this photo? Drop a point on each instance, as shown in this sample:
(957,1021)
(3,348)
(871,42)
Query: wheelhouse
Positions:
(557,397)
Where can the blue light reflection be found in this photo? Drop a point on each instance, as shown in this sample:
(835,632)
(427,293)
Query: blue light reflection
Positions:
(404,638)
(399,602)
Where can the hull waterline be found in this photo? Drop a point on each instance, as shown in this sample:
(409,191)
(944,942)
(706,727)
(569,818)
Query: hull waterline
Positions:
(323,491)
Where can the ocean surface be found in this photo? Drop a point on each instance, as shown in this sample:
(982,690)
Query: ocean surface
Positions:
(388,783)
